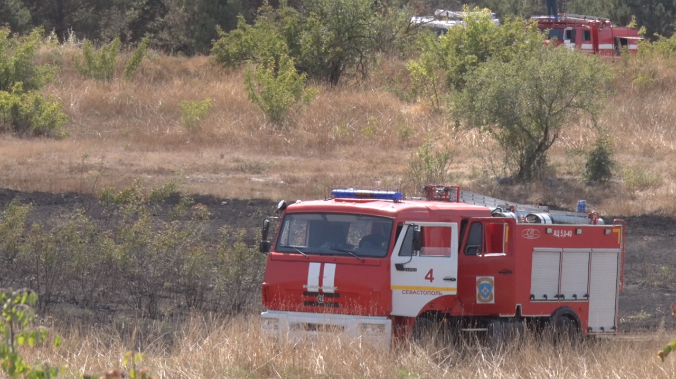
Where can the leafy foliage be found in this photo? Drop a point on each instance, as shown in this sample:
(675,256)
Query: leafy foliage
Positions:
(428,166)
(326,39)
(136,59)
(524,103)
(17,62)
(599,166)
(30,113)
(16,330)
(152,265)
(463,48)
(672,345)
(275,89)
(98,65)
(194,111)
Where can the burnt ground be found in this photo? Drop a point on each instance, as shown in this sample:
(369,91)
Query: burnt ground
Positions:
(650,269)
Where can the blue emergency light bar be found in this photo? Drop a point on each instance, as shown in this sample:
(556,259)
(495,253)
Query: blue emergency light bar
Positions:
(352,193)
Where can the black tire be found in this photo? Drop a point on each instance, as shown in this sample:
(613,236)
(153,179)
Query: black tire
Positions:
(564,328)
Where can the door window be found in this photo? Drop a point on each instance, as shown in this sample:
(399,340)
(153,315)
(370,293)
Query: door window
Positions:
(474,238)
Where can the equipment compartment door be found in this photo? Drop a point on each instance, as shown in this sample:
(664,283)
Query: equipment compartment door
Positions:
(419,277)
(604,288)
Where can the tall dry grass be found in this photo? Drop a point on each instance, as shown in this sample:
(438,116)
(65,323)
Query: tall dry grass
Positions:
(234,348)
(359,133)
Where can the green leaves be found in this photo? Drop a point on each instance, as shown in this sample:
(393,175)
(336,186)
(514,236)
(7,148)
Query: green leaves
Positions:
(17,316)
(98,65)
(526,101)
(22,109)
(275,89)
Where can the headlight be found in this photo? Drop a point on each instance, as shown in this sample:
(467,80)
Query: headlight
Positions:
(371,329)
(270,324)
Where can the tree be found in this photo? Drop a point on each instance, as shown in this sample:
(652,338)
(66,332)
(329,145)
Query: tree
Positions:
(15,14)
(325,39)
(338,35)
(524,103)
(454,55)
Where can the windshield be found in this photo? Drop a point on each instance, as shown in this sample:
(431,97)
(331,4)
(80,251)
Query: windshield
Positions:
(335,234)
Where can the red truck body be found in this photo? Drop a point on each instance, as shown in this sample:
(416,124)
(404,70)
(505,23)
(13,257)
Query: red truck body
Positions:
(594,35)
(476,266)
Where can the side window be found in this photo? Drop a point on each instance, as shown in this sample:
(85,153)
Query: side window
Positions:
(496,238)
(463,230)
(436,241)
(473,246)
(586,35)
(570,35)
(406,246)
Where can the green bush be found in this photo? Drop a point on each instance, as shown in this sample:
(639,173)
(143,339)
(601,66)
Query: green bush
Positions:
(194,111)
(30,113)
(524,103)
(98,65)
(136,59)
(276,89)
(149,263)
(16,329)
(17,62)
(599,166)
(428,166)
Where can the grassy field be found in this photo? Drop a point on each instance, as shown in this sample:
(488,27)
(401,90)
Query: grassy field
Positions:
(233,348)
(359,133)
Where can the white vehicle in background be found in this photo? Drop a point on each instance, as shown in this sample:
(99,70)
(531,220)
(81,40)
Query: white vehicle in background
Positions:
(444,20)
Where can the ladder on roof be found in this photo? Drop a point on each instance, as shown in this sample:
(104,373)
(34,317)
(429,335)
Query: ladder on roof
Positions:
(457,195)
(581,17)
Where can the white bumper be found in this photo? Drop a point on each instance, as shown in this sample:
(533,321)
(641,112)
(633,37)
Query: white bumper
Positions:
(299,325)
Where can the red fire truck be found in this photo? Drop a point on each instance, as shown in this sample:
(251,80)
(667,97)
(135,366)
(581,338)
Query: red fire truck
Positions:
(595,35)
(376,265)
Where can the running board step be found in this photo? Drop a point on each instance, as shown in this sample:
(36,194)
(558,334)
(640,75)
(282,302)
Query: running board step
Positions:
(474,329)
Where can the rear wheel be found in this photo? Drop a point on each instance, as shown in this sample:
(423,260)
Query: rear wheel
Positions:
(564,329)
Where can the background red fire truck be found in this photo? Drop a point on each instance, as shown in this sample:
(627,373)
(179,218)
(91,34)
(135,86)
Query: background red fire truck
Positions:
(374,265)
(592,34)
(595,35)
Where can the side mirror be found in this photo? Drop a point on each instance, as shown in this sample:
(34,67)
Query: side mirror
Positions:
(265,229)
(264,247)
(417,243)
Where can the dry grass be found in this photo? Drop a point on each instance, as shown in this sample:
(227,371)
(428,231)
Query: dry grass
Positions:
(356,134)
(233,348)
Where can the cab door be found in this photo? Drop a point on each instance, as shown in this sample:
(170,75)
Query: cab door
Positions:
(420,276)
(569,35)
(487,267)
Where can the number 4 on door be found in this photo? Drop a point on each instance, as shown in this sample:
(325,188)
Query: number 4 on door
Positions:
(430,275)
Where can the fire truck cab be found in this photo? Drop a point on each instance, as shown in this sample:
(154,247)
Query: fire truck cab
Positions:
(374,265)
(591,34)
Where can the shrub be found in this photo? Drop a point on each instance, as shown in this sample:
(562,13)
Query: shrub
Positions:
(30,112)
(275,89)
(194,111)
(525,103)
(16,330)
(600,162)
(98,65)
(428,166)
(136,59)
(17,62)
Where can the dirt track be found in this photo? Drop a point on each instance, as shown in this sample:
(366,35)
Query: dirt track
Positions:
(650,258)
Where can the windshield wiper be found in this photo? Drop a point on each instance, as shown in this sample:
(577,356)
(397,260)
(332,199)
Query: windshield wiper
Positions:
(352,253)
(297,249)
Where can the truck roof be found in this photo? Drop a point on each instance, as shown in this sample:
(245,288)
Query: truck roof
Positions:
(387,208)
